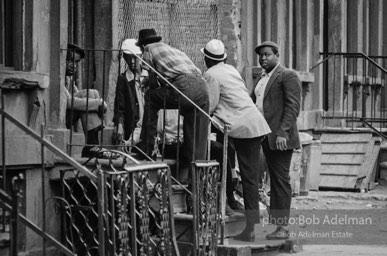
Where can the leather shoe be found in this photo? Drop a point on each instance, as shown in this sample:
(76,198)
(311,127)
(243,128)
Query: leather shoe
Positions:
(189,204)
(279,234)
(236,206)
(247,236)
(229,211)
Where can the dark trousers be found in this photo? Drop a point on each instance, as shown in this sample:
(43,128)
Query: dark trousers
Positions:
(278,163)
(217,154)
(248,159)
(195,125)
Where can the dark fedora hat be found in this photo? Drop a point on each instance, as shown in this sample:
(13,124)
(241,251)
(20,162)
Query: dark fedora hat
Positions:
(147,36)
(73,47)
(266,44)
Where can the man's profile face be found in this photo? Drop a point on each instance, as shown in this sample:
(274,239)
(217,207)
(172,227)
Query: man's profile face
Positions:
(72,60)
(267,58)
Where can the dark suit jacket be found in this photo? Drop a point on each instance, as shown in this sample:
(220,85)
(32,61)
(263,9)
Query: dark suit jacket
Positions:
(126,109)
(281,104)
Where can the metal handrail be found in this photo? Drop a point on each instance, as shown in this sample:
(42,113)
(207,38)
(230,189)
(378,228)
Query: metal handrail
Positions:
(359,54)
(372,63)
(322,61)
(49,145)
(6,203)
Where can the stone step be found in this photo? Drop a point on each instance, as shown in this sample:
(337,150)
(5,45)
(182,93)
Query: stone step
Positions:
(233,225)
(260,247)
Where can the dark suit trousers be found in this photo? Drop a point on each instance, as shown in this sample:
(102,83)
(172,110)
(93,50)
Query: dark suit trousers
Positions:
(217,154)
(248,159)
(280,190)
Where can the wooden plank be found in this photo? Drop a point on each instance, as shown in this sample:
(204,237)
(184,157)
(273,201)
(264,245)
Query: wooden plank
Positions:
(349,159)
(295,172)
(339,170)
(344,148)
(372,182)
(346,182)
(365,168)
(369,166)
(312,174)
(345,138)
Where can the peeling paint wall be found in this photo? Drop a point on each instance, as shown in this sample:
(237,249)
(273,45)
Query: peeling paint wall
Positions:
(230,31)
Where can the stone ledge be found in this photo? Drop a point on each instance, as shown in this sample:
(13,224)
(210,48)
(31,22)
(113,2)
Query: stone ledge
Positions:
(42,79)
(234,250)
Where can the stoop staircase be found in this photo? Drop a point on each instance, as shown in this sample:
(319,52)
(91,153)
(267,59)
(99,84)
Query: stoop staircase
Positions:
(349,160)
(183,223)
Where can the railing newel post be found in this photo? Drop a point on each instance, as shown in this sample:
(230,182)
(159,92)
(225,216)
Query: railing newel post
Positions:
(101,209)
(227,128)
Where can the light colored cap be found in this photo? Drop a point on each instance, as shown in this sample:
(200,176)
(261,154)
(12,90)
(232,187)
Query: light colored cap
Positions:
(129,47)
(214,50)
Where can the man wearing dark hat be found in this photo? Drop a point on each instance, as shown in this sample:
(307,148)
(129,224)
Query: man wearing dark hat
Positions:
(84,105)
(277,95)
(178,69)
(248,127)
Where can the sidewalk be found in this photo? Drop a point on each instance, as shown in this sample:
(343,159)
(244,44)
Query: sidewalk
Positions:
(335,250)
(368,239)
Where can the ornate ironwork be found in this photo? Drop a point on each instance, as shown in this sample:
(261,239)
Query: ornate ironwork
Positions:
(206,226)
(136,211)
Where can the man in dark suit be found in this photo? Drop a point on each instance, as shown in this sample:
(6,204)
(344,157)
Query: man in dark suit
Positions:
(129,100)
(277,95)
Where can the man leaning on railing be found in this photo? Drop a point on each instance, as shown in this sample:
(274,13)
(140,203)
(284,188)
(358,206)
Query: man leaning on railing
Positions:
(248,127)
(84,105)
(178,69)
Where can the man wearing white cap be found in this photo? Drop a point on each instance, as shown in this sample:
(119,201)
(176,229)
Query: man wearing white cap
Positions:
(129,101)
(248,127)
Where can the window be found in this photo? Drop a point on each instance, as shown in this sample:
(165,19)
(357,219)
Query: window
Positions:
(12,33)
(6,37)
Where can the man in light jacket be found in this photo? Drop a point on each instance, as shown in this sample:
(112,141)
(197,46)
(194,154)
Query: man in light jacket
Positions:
(85,105)
(248,127)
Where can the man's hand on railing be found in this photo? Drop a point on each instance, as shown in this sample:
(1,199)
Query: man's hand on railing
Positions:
(150,82)
(128,144)
(102,108)
(118,133)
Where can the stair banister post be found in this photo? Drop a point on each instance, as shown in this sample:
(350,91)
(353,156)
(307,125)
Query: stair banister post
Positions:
(222,204)
(101,208)
(194,191)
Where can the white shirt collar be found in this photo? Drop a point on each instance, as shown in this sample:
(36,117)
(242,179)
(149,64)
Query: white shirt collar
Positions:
(130,76)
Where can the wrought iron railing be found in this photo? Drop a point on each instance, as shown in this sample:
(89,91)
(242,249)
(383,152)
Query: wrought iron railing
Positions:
(126,212)
(104,210)
(207,177)
(18,217)
(354,89)
(114,234)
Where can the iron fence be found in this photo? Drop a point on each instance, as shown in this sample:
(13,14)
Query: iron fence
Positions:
(127,211)
(354,89)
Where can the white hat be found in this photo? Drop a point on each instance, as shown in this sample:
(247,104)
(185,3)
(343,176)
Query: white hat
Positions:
(129,47)
(214,50)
